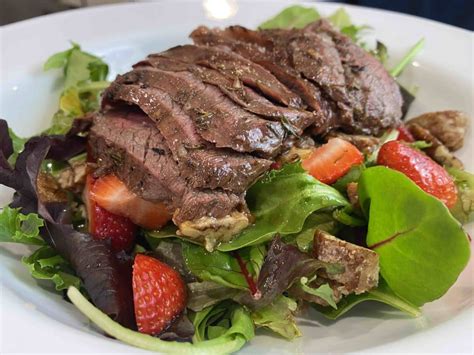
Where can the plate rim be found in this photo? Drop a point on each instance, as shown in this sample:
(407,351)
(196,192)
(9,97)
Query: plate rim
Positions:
(6,29)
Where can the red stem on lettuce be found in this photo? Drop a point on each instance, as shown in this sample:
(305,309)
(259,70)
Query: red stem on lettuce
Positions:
(256,294)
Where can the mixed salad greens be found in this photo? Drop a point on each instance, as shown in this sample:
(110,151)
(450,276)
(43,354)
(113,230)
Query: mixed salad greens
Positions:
(233,290)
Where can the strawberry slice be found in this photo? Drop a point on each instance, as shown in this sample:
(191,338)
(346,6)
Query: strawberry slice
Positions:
(159,294)
(420,168)
(112,194)
(106,225)
(332,160)
(404,134)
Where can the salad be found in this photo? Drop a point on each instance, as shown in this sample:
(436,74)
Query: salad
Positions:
(225,186)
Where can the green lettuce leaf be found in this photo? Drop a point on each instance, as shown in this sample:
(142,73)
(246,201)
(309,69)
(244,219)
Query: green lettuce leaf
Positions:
(304,239)
(46,264)
(16,227)
(284,213)
(324,291)
(381,294)
(203,294)
(222,320)
(215,266)
(236,335)
(464,208)
(422,247)
(84,78)
(295,16)
(18,144)
(340,18)
(278,317)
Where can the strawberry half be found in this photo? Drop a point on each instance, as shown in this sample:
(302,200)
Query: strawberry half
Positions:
(420,168)
(112,194)
(332,160)
(159,294)
(106,225)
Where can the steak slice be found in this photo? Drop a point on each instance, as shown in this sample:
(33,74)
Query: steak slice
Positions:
(269,49)
(129,145)
(294,120)
(207,167)
(217,119)
(373,94)
(236,67)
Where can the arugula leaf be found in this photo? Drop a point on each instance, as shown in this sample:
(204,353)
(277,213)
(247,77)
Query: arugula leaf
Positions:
(278,316)
(408,58)
(240,331)
(84,78)
(295,16)
(46,264)
(324,291)
(422,248)
(16,227)
(381,294)
(18,145)
(215,266)
(284,213)
(463,211)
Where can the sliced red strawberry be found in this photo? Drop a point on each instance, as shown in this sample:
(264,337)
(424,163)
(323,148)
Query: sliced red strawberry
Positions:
(332,160)
(159,294)
(420,168)
(112,194)
(106,225)
(404,134)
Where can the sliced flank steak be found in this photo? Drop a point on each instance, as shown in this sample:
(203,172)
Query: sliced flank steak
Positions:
(218,120)
(236,67)
(295,120)
(195,126)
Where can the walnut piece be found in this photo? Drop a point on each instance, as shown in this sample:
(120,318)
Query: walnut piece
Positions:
(210,231)
(448,126)
(361,265)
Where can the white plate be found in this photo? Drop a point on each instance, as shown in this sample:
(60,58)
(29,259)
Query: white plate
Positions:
(35,320)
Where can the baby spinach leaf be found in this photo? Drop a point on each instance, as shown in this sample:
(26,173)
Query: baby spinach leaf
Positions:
(295,16)
(284,213)
(422,248)
(278,317)
(381,294)
(46,264)
(464,208)
(16,227)
(215,266)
